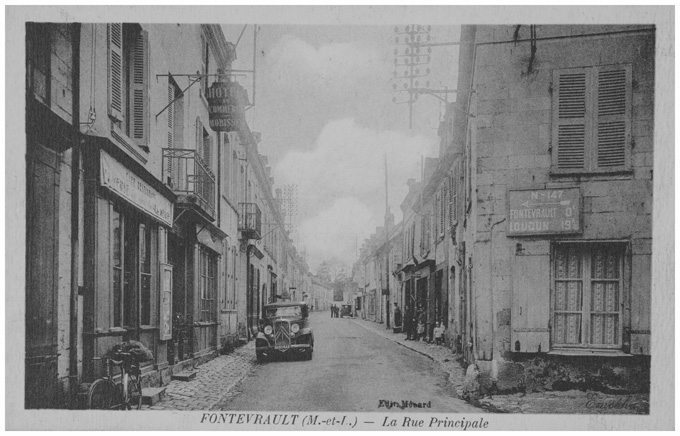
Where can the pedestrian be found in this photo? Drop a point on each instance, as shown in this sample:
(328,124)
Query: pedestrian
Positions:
(332,310)
(408,319)
(439,333)
(420,320)
(397,316)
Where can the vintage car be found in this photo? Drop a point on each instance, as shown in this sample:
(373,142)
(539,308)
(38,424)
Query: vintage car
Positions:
(284,331)
(346,311)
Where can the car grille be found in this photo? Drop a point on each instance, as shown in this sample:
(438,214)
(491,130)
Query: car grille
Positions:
(282,335)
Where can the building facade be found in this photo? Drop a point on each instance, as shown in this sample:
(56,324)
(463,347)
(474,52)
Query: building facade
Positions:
(558,144)
(143,223)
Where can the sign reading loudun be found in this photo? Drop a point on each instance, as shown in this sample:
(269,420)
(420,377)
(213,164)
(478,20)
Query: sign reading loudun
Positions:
(544,211)
(226,105)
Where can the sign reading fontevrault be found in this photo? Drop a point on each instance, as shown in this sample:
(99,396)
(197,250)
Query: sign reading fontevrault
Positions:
(127,185)
(544,211)
(226,105)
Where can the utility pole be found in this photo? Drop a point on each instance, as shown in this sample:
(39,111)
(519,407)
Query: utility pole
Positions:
(387,250)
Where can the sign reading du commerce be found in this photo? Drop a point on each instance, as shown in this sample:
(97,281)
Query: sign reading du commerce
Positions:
(124,183)
(544,211)
(226,106)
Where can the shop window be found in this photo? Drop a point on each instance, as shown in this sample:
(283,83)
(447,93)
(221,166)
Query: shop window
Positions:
(207,287)
(591,123)
(133,247)
(588,283)
(129,81)
(49,65)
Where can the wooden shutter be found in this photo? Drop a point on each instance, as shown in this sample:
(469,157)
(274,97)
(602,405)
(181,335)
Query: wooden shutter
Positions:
(171,115)
(204,65)
(139,89)
(199,138)
(530,314)
(207,151)
(613,117)
(115,31)
(570,122)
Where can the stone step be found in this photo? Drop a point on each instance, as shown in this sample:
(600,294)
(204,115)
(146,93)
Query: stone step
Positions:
(151,396)
(184,376)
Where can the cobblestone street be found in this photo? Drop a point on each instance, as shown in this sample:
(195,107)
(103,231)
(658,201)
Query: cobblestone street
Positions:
(214,381)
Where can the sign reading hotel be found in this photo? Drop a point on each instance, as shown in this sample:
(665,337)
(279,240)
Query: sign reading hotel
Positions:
(127,185)
(226,106)
(544,211)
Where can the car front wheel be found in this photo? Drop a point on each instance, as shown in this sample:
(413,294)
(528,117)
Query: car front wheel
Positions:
(260,357)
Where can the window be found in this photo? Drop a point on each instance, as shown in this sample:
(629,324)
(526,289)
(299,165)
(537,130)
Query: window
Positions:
(49,69)
(207,265)
(588,283)
(453,199)
(205,64)
(134,243)
(591,119)
(129,81)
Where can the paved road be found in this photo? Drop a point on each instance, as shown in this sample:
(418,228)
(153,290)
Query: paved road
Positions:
(353,369)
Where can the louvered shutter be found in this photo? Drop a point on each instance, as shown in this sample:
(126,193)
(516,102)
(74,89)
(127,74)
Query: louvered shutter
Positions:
(570,120)
(207,151)
(115,31)
(139,89)
(171,116)
(613,117)
(199,138)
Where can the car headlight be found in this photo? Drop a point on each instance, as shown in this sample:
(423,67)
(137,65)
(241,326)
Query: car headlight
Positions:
(268,330)
(295,328)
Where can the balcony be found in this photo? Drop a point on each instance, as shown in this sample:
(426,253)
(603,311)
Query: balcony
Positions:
(193,182)
(250,221)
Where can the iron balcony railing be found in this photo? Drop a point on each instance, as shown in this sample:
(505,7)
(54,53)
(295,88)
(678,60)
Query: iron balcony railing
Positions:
(189,177)
(250,220)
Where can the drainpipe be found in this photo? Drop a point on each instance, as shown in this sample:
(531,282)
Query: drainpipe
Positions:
(491,307)
(75,226)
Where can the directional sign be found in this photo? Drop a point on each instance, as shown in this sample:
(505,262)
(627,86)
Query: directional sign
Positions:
(544,211)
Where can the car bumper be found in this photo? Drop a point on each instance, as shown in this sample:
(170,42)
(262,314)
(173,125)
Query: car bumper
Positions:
(293,347)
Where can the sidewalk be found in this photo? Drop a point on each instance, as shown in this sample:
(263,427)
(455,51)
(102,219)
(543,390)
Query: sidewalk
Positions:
(572,402)
(214,381)
(438,353)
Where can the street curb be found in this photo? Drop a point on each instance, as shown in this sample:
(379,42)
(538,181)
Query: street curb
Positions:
(450,376)
(233,384)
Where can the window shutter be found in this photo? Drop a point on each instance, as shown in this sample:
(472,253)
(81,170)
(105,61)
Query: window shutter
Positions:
(199,138)
(204,66)
(139,89)
(207,151)
(530,316)
(613,116)
(116,70)
(171,115)
(569,118)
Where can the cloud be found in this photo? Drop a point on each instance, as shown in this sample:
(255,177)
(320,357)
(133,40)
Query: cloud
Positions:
(336,62)
(334,232)
(347,162)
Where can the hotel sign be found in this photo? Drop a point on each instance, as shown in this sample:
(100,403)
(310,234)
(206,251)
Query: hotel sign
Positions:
(127,185)
(226,106)
(544,212)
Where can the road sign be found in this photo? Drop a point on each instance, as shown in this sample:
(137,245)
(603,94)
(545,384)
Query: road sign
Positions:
(544,211)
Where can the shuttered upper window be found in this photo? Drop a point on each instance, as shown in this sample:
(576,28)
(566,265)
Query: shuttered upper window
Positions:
(591,119)
(128,82)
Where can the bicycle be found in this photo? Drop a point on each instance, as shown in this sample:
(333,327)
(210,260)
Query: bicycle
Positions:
(106,394)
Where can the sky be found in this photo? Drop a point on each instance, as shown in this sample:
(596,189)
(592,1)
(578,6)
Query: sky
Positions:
(324,106)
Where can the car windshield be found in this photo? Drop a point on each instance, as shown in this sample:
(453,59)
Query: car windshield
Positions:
(275,312)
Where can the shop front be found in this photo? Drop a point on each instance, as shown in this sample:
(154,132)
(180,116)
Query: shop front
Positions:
(127,216)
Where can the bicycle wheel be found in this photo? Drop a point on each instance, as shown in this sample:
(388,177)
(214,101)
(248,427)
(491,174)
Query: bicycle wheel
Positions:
(102,395)
(134,400)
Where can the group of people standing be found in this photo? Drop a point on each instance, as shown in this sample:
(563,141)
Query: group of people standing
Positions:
(335,311)
(414,325)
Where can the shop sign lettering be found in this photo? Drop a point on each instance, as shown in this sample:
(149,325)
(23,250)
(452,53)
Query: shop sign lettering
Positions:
(127,185)
(544,211)
(226,106)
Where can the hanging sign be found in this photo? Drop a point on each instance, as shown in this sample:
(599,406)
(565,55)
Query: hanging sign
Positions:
(226,106)
(544,211)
